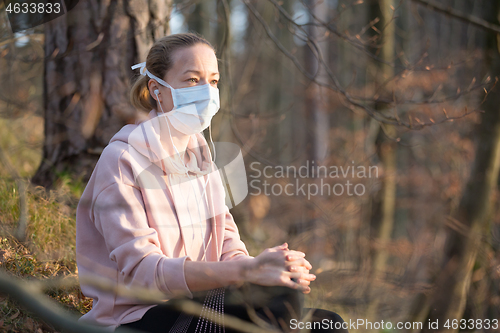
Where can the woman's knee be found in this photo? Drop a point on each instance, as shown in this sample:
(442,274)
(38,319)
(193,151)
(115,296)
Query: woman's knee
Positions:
(275,294)
(281,301)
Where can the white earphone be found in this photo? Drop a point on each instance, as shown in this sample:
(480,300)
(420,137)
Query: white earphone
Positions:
(156,91)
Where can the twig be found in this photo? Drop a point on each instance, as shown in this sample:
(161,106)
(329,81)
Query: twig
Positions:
(336,86)
(179,304)
(29,295)
(488,92)
(478,22)
(31,299)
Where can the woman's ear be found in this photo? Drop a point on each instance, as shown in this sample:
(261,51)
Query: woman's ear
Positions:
(152,86)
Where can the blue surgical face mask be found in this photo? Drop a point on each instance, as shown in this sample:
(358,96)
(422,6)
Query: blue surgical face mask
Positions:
(194,106)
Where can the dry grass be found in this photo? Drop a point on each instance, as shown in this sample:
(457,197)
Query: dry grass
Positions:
(49,249)
(22,139)
(19,261)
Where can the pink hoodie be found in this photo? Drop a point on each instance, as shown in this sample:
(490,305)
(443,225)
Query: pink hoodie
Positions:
(139,235)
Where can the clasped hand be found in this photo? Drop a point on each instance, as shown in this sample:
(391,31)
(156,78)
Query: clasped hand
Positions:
(277,266)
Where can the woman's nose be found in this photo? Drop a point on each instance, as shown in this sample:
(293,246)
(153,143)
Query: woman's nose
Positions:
(203,81)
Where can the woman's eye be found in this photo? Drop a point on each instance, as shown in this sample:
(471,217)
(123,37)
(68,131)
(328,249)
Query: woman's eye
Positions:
(215,82)
(194,80)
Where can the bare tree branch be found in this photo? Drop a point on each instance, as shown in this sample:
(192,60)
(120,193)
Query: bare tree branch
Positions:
(31,299)
(478,22)
(363,47)
(29,295)
(180,304)
(353,101)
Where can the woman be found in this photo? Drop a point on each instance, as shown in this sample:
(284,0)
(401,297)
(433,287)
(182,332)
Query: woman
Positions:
(153,214)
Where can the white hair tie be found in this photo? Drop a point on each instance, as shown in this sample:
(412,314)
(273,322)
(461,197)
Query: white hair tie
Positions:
(142,65)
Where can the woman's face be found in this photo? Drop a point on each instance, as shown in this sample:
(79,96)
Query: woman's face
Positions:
(192,66)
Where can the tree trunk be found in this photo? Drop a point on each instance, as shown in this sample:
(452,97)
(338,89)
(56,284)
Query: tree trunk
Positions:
(317,122)
(223,37)
(316,96)
(286,140)
(475,206)
(199,20)
(387,153)
(89,52)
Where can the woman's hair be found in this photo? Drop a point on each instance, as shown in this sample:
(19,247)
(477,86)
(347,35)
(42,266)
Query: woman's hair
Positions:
(158,62)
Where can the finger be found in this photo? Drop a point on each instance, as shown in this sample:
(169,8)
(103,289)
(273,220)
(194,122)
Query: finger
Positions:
(307,278)
(307,264)
(302,276)
(292,283)
(300,262)
(283,246)
(296,268)
(302,285)
(294,255)
(299,254)
(303,282)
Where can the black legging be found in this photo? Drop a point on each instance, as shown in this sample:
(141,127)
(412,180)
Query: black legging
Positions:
(280,307)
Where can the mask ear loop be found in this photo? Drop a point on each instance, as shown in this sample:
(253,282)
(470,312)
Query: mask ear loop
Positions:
(208,175)
(213,161)
(211,141)
(190,181)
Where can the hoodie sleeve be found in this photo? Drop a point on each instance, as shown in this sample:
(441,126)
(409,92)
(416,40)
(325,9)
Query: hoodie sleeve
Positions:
(120,216)
(232,248)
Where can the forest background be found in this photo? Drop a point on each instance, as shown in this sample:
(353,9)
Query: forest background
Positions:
(404,88)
